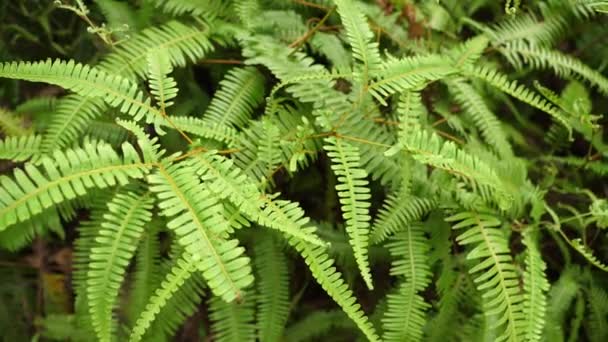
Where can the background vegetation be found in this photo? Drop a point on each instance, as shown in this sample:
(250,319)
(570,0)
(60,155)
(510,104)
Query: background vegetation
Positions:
(290,170)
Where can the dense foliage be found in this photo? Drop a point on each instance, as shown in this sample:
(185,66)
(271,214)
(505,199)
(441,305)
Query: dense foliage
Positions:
(290,170)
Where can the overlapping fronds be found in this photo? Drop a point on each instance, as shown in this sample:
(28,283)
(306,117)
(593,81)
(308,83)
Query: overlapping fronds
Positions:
(241,92)
(405,317)
(197,219)
(398,212)
(65,176)
(355,198)
(116,240)
(476,108)
(518,91)
(201,128)
(496,276)
(408,73)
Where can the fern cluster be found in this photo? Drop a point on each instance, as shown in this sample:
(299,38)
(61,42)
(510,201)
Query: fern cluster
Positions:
(317,170)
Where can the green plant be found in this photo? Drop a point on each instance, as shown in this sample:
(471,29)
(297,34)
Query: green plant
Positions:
(377,150)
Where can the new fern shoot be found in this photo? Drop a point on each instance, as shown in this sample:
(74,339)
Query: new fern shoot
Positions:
(322,170)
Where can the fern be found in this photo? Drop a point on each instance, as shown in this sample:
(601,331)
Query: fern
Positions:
(163,87)
(232,321)
(197,220)
(535,287)
(405,316)
(498,281)
(354,196)
(116,243)
(64,177)
(20,148)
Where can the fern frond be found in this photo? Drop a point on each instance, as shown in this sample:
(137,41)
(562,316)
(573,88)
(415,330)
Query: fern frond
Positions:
(241,92)
(86,81)
(116,241)
(586,252)
(66,176)
(198,221)
(535,287)
(324,271)
(185,43)
(227,181)
(21,148)
(427,148)
(354,193)
(518,91)
(162,86)
(206,8)
(360,36)
(397,213)
(147,273)
(181,271)
(204,129)
(466,54)
(475,106)
(232,322)
(408,73)
(498,279)
(273,289)
(520,54)
(405,316)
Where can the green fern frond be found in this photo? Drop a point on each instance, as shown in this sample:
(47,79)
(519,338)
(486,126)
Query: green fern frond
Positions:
(427,148)
(563,65)
(324,271)
(518,91)
(205,8)
(197,220)
(272,289)
(405,317)
(535,287)
(162,86)
(397,213)
(116,241)
(11,125)
(466,54)
(586,252)
(355,198)
(86,81)
(408,73)
(204,129)
(64,177)
(185,43)
(185,266)
(475,107)
(147,273)
(360,36)
(498,279)
(21,148)
(232,322)
(241,92)
(227,181)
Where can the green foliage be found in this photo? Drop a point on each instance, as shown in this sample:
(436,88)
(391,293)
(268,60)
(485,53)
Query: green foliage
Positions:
(303,170)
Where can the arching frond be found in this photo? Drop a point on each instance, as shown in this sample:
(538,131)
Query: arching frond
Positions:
(397,213)
(241,91)
(201,128)
(162,86)
(355,196)
(66,176)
